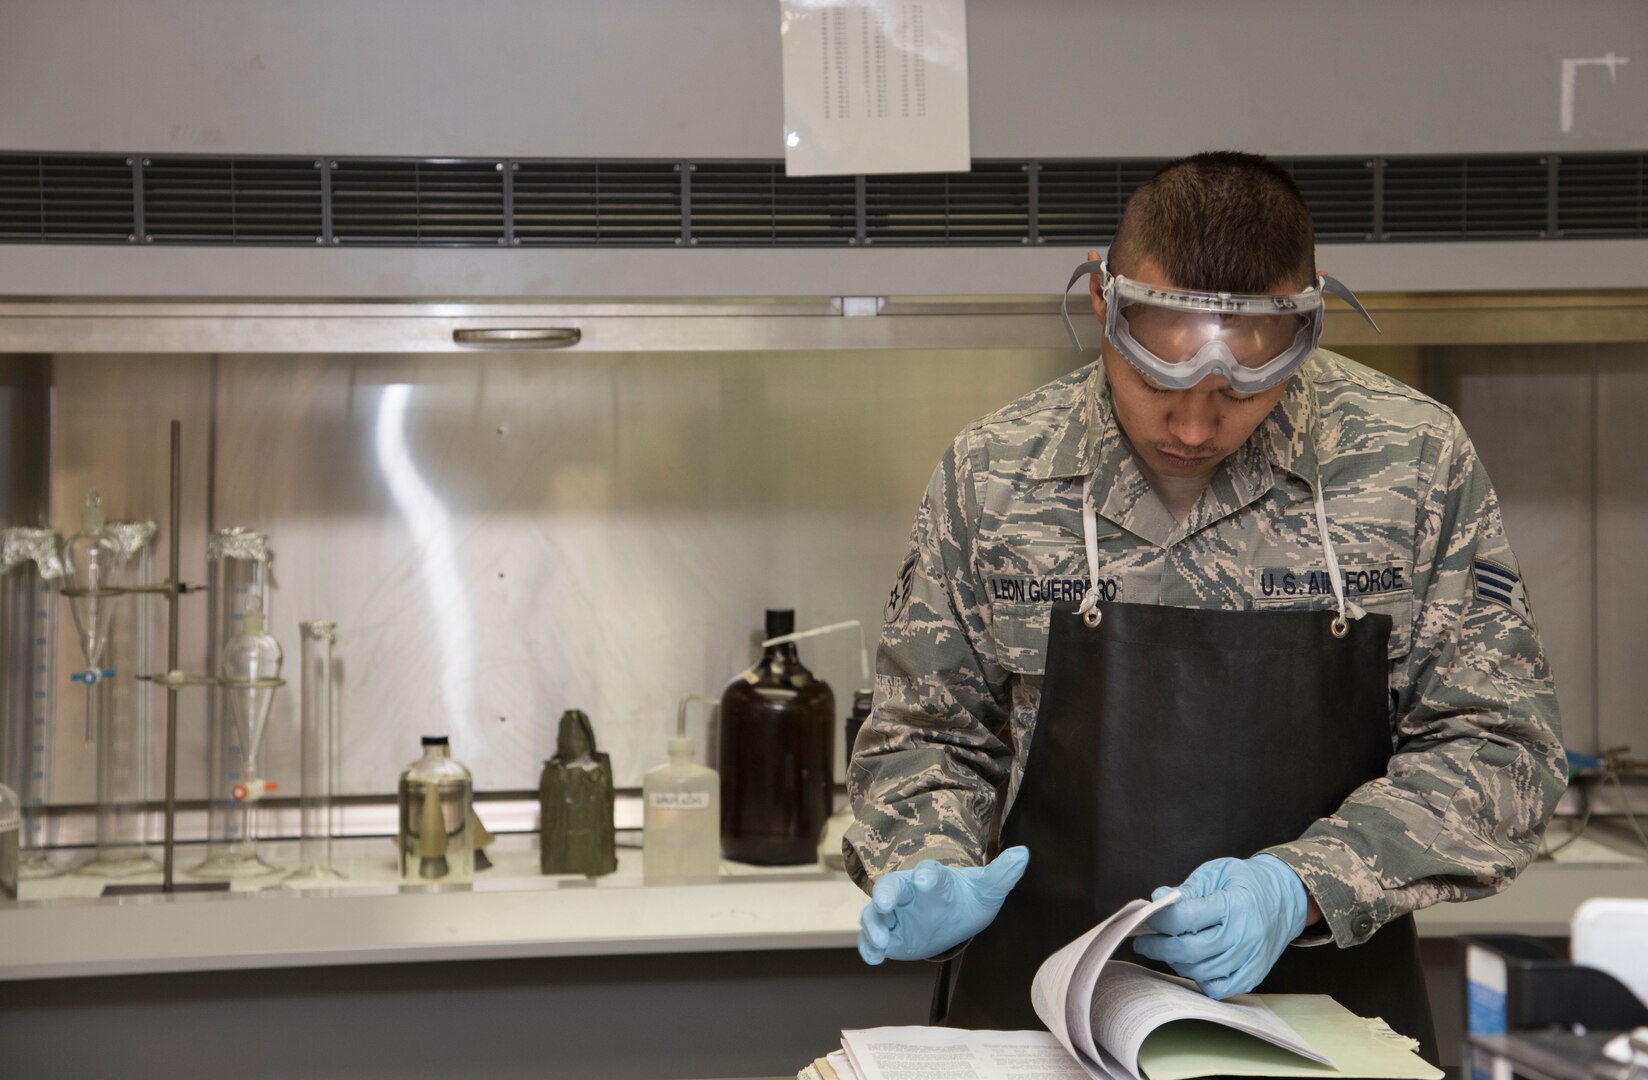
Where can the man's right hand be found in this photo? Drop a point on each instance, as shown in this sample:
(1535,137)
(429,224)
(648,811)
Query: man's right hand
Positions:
(914,914)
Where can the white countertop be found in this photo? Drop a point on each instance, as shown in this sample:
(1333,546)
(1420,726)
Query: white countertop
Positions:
(61,928)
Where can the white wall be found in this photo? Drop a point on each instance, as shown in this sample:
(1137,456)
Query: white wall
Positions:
(701,78)
(1559,430)
(632,78)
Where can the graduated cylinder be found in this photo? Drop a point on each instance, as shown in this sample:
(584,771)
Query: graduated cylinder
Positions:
(319,750)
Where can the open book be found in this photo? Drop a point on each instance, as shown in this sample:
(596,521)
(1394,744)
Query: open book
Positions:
(1110,1020)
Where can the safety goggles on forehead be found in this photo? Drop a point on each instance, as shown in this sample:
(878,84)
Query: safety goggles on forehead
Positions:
(1177,338)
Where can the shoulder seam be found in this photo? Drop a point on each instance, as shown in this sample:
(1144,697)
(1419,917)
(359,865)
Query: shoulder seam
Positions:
(1009,414)
(1385,385)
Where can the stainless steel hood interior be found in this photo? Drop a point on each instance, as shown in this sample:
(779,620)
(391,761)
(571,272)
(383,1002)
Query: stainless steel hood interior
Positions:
(742,324)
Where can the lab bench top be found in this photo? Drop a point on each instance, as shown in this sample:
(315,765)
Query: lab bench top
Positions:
(60,927)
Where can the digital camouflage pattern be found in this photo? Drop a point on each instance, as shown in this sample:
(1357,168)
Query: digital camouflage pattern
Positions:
(1478,764)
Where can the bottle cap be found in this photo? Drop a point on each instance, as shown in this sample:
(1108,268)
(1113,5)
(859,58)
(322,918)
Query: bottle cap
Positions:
(780,622)
(436,740)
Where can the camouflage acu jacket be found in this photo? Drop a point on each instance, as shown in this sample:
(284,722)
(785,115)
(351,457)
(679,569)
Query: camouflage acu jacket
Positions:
(1477,765)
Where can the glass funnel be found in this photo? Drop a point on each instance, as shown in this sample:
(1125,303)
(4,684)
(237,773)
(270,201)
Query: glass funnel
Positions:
(251,675)
(114,635)
(237,565)
(30,568)
(91,586)
(319,744)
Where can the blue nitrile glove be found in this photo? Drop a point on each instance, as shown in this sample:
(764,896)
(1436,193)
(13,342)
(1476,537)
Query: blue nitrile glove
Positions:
(914,914)
(1233,919)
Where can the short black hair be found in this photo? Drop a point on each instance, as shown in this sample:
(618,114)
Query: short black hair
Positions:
(1219,221)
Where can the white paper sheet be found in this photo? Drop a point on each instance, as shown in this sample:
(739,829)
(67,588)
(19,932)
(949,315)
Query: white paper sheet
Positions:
(1101,1010)
(929,1053)
(1130,1002)
(875,86)
(1065,982)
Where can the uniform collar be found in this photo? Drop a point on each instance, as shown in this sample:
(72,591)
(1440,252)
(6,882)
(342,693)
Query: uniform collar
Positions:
(1072,451)
(1091,441)
(1290,432)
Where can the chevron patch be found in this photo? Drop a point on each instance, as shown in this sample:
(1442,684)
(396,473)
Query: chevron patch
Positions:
(1497,585)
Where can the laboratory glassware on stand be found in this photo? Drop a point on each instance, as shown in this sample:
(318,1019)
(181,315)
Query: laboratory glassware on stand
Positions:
(91,582)
(87,601)
(106,562)
(319,746)
(30,566)
(250,676)
(435,797)
(681,812)
(237,568)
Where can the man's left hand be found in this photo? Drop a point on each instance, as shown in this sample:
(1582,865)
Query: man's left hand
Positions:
(1233,919)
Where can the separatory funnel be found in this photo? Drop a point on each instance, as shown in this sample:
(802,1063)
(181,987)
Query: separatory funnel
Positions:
(250,677)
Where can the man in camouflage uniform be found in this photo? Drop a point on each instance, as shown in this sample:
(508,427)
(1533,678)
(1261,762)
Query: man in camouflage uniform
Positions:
(1204,499)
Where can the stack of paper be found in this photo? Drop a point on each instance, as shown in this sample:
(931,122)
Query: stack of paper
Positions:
(927,1053)
(1111,1020)
(1182,1050)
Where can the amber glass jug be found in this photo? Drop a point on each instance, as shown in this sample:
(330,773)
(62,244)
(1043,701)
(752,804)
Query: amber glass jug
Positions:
(776,742)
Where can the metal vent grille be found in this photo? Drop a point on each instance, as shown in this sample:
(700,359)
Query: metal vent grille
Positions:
(261,200)
(1340,194)
(597,203)
(1080,202)
(1455,198)
(990,205)
(417,202)
(1602,195)
(756,203)
(433,202)
(82,198)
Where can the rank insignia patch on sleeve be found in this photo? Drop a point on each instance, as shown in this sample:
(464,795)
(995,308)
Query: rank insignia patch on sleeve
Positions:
(1498,585)
(899,596)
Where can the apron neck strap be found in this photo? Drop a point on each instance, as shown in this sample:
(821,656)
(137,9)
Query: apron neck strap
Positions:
(1088,608)
(1347,609)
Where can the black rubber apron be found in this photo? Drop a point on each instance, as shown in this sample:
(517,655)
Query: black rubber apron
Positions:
(1170,736)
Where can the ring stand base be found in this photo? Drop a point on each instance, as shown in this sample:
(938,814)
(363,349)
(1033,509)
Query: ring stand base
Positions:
(160,890)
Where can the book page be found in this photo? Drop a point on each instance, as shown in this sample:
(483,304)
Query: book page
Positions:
(1130,1002)
(834,1066)
(1358,1047)
(1064,984)
(930,1053)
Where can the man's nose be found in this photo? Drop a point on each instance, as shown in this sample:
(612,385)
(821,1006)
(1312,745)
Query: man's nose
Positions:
(1195,420)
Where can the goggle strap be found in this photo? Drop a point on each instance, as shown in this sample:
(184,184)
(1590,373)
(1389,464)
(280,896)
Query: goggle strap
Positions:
(1342,291)
(1064,305)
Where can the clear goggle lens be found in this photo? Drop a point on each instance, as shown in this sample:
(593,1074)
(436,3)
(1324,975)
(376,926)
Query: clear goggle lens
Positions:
(1178,337)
